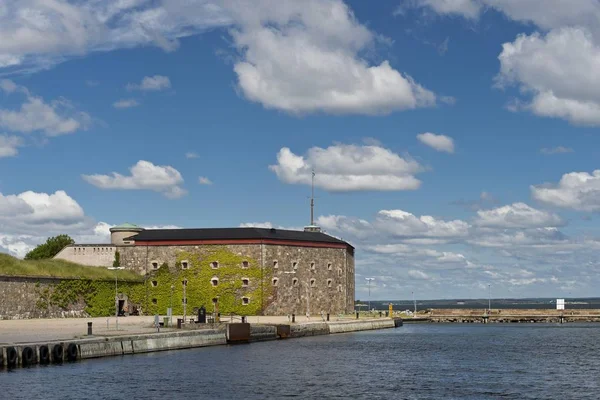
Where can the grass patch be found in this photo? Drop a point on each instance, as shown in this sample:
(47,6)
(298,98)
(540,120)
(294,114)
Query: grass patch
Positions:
(12,266)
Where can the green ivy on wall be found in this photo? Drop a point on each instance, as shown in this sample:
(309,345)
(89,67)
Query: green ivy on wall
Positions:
(98,296)
(199,289)
(166,285)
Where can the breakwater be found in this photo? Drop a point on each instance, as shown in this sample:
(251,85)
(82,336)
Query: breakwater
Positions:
(56,352)
(508,316)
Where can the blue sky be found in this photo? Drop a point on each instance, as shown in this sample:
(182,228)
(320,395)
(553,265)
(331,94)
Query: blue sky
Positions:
(454,141)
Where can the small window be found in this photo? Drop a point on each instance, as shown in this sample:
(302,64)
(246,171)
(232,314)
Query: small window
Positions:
(184,282)
(245,282)
(245,301)
(295,264)
(154,283)
(339,272)
(329,266)
(275,281)
(339,288)
(154,265)
(313,283)
(215,281)
(329,282)
(295,282)
(245,264)
(184,265)
(214,264)
(275,264)
(154,301)
(312,266)
(184,301)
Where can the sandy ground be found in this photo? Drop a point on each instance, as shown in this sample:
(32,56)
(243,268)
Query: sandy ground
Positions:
(39,330)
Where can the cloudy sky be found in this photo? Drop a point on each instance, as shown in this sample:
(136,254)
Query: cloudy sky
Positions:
(455,142)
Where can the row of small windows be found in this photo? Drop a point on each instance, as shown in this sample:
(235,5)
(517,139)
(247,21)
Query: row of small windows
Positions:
(295,264)
(214,265)
(100,250)
(313,283)
(245,301)
(246,282)
(246,265)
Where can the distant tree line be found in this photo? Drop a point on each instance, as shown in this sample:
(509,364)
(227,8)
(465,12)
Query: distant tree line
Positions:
(51,248)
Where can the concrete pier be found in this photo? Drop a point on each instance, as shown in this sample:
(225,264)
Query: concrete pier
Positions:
(54,352)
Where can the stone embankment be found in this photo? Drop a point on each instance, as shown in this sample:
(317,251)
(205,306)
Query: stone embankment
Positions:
(56,352)
(511,316)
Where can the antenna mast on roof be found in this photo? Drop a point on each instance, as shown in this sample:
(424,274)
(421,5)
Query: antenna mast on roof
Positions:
(312,227)
(312,199)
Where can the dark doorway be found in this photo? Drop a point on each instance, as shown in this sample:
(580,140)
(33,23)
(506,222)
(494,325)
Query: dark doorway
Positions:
(121,305)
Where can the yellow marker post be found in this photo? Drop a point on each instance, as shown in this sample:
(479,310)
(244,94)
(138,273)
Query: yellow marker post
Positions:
(390,309)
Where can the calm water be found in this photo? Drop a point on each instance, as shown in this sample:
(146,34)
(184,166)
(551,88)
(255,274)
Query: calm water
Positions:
(412,362)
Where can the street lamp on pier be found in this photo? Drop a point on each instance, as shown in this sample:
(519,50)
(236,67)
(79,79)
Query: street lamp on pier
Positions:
(116,293)
(489,298)
(369,280)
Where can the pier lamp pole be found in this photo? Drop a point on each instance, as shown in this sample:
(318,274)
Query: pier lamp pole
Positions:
(369,285)
(489,298)
(171,316)
(116,294)
(184,301)
(415,303)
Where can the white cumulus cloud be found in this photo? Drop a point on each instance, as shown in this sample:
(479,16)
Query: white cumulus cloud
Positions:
(204,181)
(554,67)
(303,57)
(437,142)
(35,115)
(126,103)
(399,223)
(517,215)
(342,168)
(9,145)
(144,176)
(576,190)
(556,150)
(151,83)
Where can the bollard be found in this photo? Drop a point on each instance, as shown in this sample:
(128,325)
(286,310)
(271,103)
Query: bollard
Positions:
(243,319)
(89,329)
(327,317)
(356,315)
(293,317)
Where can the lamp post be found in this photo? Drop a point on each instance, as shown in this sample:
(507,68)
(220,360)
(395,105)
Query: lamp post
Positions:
(116,294)
(369,285)
(184,301)
(171,308)
(415,303)
(489,298)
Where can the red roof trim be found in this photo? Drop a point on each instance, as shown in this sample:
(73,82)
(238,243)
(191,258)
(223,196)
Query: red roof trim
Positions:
(240,241)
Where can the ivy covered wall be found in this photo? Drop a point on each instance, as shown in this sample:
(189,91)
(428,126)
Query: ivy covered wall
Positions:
(236,277)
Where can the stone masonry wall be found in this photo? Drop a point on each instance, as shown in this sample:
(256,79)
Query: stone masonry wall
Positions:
(304,279)
(19,297)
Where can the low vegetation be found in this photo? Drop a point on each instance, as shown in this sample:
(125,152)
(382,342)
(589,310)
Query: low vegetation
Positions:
(51,248)
(60,269)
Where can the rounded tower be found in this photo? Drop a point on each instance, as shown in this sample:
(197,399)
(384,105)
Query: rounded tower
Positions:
(119,233)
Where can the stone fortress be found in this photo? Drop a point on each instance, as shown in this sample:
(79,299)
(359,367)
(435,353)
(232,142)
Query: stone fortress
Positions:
(268,271)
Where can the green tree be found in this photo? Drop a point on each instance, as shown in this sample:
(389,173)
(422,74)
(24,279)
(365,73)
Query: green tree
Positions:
(51,248)
(117,262)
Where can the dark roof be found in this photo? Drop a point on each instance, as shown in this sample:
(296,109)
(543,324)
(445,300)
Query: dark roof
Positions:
(234,233)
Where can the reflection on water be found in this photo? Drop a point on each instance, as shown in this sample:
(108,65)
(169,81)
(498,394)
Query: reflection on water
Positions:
(519,361)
